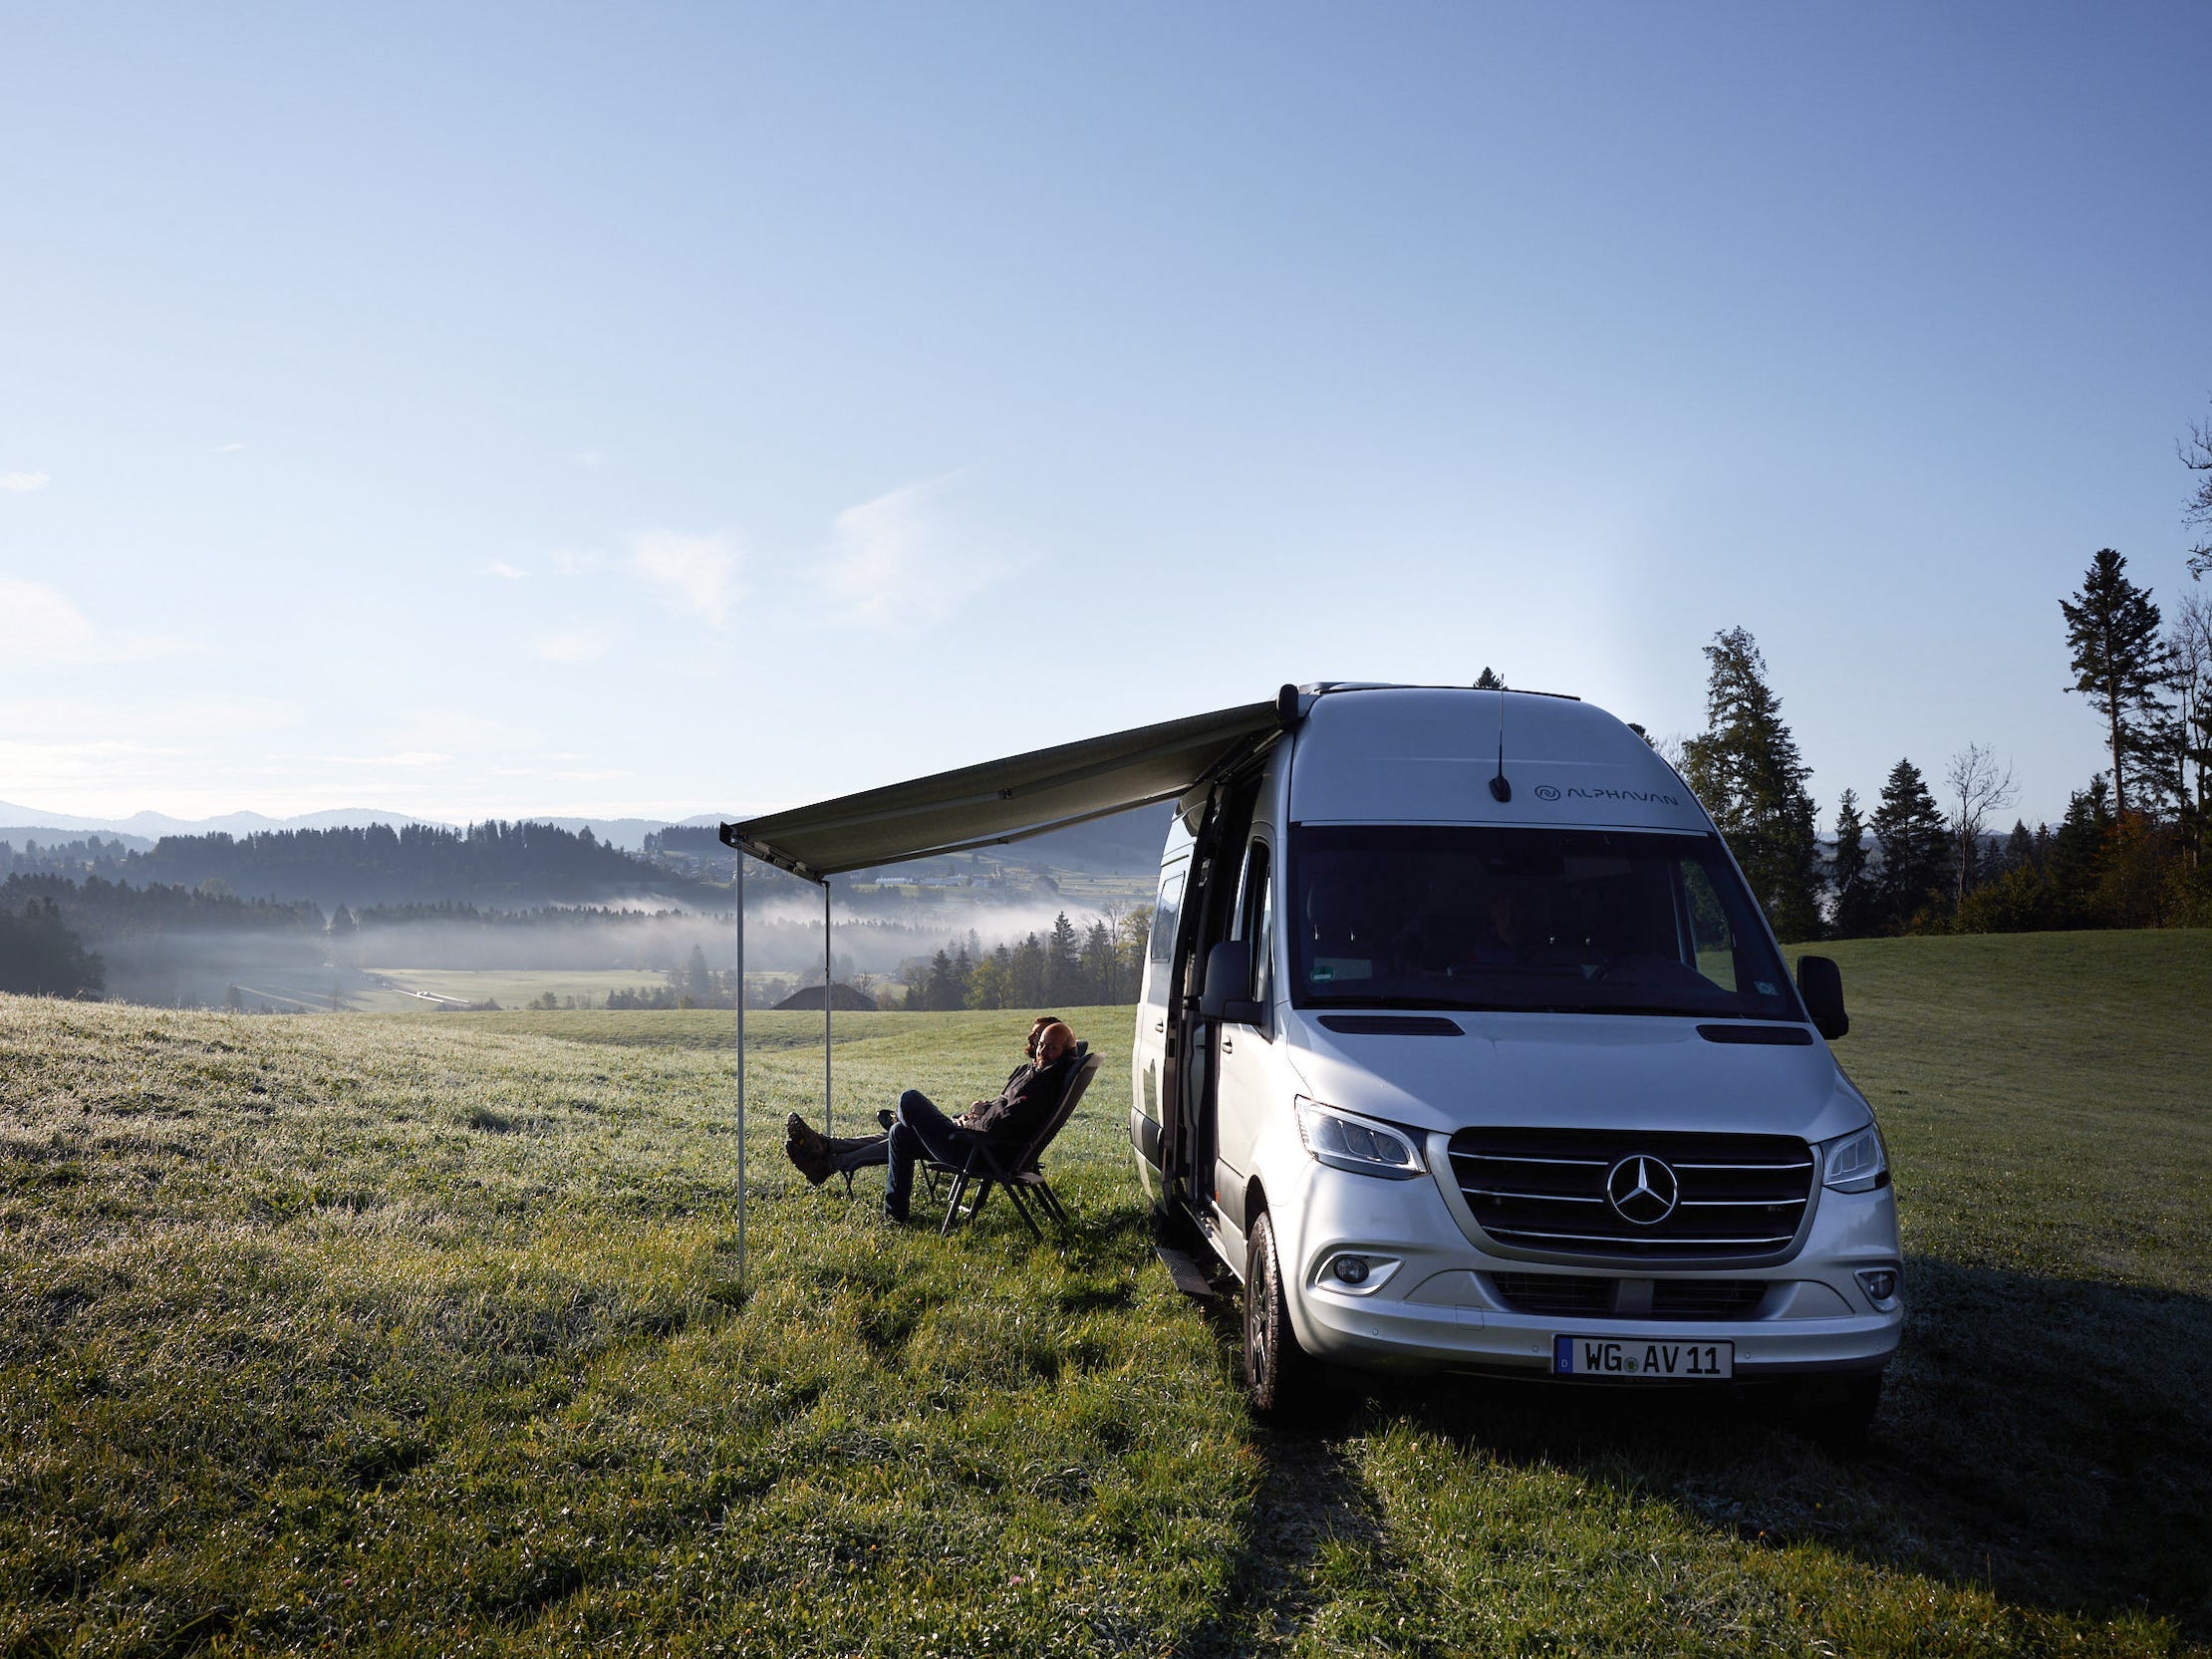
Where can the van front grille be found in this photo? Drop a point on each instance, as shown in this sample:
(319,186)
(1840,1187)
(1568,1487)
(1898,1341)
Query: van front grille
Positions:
(1706,1298)
(1595,1297)
(1555,1293)
(1734,1197)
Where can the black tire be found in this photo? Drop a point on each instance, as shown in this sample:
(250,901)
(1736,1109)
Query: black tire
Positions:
(1279,1377)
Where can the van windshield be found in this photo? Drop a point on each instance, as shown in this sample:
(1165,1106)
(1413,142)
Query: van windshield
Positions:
(1551,919)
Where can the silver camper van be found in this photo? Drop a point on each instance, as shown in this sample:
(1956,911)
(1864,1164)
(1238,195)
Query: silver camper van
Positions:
(1464,1047)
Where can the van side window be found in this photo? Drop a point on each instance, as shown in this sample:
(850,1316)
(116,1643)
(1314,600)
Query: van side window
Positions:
(1255,916)
(1166,912)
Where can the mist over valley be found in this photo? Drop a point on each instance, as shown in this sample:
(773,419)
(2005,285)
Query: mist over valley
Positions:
(382,916)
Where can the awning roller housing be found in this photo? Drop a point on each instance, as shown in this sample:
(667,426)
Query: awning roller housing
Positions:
(1007,800)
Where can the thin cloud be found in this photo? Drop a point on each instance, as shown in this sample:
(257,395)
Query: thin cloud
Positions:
(38,624)
(226,448)
(895,565)
(581,644)
(590,458)
(697,574)
(501,568)
(409,759)
(232,716)
(51,769)
(22,483)
(39,621)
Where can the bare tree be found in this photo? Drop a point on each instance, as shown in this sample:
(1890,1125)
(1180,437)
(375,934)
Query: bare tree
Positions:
(2189,650)
(1978,787)
(2196,455)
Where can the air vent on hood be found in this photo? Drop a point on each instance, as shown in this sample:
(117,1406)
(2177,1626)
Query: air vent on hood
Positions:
(1772,1036)
(1391,1025)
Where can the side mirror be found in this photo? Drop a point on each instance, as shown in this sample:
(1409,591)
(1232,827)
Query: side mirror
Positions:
(1820,982)
(1228,994)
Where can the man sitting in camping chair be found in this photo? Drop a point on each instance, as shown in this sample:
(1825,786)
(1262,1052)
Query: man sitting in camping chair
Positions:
(919,1132)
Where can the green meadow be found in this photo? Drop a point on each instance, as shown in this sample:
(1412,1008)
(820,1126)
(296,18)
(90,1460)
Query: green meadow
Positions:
(427,1334)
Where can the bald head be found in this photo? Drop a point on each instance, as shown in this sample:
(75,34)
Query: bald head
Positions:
(1053,1042)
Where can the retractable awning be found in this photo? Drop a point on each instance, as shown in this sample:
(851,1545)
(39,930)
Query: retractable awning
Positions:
(1006,800)
(980,806)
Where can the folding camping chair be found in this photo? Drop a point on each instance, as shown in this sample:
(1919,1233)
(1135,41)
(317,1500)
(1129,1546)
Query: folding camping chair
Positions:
(984,1166)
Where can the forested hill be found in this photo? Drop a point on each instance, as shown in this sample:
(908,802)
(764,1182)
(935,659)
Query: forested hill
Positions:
(503,866)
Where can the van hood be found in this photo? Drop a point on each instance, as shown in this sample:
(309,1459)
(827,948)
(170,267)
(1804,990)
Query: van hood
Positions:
(1584,1071)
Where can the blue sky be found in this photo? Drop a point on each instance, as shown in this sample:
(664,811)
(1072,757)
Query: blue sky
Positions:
(483,411)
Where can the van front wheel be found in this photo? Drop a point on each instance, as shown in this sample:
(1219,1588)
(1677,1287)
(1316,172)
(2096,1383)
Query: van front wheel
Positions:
(1279,1375)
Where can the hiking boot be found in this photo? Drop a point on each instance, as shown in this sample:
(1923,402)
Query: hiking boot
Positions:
(814,1165)
(885,1117)
(800,1136)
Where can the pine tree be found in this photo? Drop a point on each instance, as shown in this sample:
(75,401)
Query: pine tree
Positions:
(1916,844)
(1747,770)
(1098,964)
(942,990)
(1490,680)
(1855,912)
(2078,851)
(1063,966)
(1030,989)
(2120,666)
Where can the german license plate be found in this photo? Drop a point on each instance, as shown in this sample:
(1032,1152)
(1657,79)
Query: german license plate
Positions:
(1642,1361)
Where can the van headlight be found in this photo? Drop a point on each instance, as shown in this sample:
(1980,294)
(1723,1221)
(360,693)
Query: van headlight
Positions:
(1361,1145)
(1856,1163)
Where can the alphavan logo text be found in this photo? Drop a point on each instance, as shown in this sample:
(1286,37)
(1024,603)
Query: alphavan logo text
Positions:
(1552,793)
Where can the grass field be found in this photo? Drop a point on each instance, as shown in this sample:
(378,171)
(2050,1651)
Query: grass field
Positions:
(426,1335)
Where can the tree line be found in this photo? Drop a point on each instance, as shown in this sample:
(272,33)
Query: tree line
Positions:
(513,863)
(2127,853)
(1101,962)
(42,956)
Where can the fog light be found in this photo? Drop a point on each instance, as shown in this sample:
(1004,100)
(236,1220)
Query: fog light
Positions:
(1352,1270)
(1879,1283)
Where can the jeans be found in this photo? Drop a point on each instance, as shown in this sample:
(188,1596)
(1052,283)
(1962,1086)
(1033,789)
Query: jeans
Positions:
(921,1130)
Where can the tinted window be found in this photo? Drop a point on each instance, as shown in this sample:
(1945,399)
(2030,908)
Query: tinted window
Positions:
(1563,920)
(1166,911)
(1256,922)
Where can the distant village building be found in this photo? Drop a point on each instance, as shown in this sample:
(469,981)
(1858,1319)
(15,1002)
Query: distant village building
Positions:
(841,996)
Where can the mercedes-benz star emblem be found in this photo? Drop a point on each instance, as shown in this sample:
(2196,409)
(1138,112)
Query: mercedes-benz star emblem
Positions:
(1642,1189)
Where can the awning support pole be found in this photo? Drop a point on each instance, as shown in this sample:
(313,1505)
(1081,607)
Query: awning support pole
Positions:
(738,888)
(826,1129)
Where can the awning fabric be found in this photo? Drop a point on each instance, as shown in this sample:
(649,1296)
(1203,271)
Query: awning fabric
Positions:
(1005,800)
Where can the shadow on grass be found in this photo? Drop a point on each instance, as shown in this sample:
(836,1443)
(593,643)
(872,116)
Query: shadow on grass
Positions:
(2049,1440)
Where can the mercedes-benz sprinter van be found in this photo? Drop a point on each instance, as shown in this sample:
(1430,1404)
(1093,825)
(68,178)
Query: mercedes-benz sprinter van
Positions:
(1465,1047)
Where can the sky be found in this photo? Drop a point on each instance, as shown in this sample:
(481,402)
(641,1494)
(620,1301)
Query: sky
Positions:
(478,410)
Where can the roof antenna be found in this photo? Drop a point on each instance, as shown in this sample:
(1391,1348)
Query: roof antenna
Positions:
(1500,789)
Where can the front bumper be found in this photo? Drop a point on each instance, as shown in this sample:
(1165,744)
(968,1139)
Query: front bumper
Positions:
(1433,1298)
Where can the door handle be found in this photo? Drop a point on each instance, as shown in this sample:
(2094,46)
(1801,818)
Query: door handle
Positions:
(1227,1047)
(1159,1025)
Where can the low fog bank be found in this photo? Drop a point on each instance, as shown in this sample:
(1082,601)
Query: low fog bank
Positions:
(306,967)
(786,940)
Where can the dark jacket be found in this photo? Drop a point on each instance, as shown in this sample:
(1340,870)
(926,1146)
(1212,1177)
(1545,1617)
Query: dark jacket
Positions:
(1026,1101)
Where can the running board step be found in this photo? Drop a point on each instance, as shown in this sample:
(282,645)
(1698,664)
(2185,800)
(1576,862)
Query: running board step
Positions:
(1188,1276)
